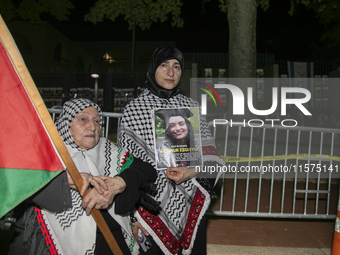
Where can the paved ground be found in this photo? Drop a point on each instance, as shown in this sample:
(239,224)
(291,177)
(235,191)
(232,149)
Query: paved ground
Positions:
(251,236)
(258,236)
(270,233)
(215,249)
(270,236)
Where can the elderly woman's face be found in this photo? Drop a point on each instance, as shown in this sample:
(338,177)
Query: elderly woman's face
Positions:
(168,74)
(85,128)
(178,127)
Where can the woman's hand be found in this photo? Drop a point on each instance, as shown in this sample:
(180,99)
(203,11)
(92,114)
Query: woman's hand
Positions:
(135,228)
(180,174)
(96,200)
(98,182)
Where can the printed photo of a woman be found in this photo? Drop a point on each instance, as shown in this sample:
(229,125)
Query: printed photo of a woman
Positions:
(179,130)
(179,138)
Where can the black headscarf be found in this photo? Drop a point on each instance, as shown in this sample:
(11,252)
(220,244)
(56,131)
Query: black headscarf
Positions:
(160,55)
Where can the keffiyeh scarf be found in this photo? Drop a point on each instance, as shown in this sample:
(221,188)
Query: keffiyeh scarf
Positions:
(183,206)
(70,109)
(72,231)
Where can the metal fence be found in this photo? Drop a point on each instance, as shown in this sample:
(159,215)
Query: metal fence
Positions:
(272,171)
(320,67)
(277,172)
(263,60)
(58,87)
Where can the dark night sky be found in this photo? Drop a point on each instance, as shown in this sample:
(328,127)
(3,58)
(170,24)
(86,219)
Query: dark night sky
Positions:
(206,30)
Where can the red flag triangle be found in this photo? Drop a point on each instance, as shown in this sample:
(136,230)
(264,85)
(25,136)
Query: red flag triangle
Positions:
(25,143)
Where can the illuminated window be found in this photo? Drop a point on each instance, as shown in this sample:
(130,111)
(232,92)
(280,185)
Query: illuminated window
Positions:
(115,56)
(108,59)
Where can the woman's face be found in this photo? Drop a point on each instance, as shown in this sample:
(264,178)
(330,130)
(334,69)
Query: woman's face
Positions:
(85,128)
(168,74)
(178,127)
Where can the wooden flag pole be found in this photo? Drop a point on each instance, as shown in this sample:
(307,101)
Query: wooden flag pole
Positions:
(45,116)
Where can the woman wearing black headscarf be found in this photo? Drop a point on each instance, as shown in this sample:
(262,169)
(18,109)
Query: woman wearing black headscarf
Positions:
(180,227)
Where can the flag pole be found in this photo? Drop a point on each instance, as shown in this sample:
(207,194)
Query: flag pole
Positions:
(45,117)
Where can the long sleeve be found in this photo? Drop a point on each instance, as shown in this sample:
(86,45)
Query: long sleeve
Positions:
(137,175)
(55,196)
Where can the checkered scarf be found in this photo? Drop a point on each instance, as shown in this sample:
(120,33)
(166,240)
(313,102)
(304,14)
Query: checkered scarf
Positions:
(72,231)
(70,109)
(177,204)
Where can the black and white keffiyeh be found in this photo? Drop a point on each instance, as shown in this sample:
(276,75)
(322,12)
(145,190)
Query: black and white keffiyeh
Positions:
(189,200)
(183,205)
(70,109)
(72,231)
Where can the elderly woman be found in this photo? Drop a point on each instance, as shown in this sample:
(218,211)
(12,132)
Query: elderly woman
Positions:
(72,231)
(180,227)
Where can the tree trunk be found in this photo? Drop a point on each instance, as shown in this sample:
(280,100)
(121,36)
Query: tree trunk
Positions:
(242,38)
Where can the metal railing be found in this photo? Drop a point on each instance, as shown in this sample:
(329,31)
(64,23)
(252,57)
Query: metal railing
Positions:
(291,185)
(300,180)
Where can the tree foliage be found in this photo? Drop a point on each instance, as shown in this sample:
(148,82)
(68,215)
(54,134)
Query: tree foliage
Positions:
(328,13)
(264,4)
(140,13)
(31,10)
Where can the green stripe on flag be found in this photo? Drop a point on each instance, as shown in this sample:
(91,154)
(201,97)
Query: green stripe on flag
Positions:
(16,185)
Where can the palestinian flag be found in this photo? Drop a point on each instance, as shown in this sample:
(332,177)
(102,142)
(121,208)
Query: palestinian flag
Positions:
(28,156)
(32,152)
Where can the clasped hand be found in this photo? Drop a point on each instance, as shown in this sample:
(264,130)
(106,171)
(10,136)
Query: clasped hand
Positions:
(103,192)
(98,182)
(102,200)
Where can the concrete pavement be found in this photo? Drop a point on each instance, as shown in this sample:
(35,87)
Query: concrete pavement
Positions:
(216,249)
